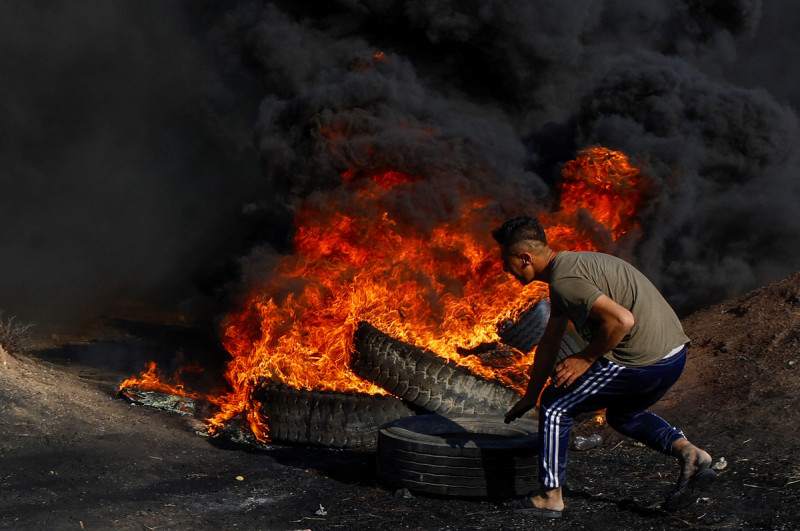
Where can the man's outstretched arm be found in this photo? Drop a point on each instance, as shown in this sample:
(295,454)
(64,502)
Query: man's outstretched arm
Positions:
(546,353)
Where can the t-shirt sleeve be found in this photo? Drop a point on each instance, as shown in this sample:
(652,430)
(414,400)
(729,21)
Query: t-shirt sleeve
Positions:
(575,296)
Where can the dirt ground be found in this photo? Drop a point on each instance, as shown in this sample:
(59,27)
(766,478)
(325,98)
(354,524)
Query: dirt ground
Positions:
(74,456)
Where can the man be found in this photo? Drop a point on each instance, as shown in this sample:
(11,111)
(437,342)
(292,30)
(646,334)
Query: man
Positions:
(636,351)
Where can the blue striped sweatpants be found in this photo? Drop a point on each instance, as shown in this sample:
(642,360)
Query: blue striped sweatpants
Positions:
(624,392)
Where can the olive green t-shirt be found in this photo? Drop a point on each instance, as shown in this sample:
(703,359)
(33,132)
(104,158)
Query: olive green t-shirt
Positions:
(577,279)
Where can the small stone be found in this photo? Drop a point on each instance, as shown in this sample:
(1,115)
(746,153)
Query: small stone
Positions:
(719,465)
(403,493)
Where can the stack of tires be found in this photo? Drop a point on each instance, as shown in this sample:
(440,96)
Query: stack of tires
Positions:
(463,447)
(439,431)
(465,456)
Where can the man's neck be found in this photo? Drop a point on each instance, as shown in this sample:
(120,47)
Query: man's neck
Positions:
(544,272)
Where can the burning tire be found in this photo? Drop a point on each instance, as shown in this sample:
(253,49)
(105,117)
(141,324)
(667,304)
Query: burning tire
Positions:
(328,418)
(471,456)
(420,377)
(525,333)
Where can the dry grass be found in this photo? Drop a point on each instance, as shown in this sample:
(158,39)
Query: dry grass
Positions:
(13,335)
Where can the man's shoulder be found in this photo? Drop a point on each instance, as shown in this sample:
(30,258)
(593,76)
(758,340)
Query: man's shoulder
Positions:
(566,259)
(581,267)
(569,272)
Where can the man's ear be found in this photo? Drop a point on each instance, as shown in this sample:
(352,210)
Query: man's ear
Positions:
(526,258)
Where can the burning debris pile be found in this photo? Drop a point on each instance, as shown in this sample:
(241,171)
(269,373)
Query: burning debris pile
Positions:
(394,164)
(370,306)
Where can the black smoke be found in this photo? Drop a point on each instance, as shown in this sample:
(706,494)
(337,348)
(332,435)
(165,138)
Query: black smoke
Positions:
(126,155)
(147,145)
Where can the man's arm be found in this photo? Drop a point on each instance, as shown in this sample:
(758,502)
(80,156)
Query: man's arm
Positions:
(545,358)
(614,322)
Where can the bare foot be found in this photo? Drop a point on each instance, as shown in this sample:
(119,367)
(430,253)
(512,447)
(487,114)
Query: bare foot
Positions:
(549,499)
(696,475)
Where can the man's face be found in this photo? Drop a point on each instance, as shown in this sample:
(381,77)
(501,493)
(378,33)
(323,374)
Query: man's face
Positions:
(518,265)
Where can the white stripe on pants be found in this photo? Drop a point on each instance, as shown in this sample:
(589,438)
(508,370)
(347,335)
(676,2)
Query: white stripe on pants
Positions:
(552,450)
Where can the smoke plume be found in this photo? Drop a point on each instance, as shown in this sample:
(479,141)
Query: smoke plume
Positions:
(146,144)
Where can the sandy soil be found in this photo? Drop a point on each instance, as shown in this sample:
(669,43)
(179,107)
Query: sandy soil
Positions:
(76,457)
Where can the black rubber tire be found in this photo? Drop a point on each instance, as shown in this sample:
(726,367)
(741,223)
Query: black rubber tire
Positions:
(466,456)
(327,418)
(420,377)
(526,332)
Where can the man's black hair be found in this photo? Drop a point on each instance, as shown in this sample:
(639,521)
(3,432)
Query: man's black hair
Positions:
(518,229)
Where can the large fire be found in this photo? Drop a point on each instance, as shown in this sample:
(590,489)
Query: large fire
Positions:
(440,288)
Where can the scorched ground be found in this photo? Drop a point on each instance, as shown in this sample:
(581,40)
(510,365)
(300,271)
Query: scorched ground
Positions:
(76,457)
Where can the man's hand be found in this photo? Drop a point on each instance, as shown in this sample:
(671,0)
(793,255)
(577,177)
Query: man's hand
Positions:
(569,370)
(613,322)
(525,404)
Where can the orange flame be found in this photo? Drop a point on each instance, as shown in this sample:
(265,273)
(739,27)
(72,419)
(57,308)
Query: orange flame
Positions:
(602,184)
(153,379)
(365,64)
(440,289)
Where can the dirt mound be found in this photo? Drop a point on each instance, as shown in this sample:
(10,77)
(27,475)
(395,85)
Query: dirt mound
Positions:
(739,398)
(743,370)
